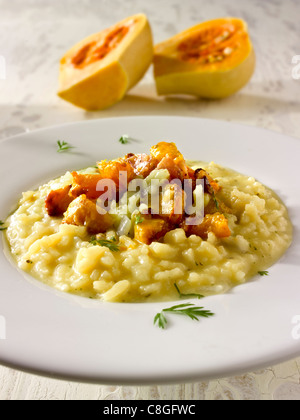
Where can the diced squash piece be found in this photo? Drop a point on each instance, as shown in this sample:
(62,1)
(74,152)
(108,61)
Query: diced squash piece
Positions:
(85,184)
(216,223)
(150,230)
(213,60)
(142,164)
(108,170)
(83,212)
(173,202)
(162,149)
(98,71)
(57,201)
(169,157)
(114,170)
(211,185)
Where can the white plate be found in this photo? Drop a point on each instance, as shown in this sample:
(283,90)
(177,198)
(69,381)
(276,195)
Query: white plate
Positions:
(63,336)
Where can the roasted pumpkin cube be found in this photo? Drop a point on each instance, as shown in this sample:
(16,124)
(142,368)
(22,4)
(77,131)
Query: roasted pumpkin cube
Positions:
(216,223)
(83,212)
(57,201)
(150,229)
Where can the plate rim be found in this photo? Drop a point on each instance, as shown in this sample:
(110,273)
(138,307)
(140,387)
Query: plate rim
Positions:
(133,117)
(146,381)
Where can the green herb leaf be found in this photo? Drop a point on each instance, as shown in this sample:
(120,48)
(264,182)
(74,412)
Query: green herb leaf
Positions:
(124,139)
(186,309)
(139,219)
(160,320)
(216,201)
(63,146)
(104,242)
(263,273)
(188,295)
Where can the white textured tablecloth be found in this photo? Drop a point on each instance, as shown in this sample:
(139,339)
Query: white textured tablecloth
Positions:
(34,34)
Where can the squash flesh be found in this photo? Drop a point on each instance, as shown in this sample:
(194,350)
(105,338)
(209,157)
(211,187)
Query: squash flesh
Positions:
(97,72)
(95,51)
(213,60)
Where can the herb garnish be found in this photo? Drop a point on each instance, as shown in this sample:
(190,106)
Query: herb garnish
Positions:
(104,242)
(139,219)
(187,309)
(124,139)
(189,295)
(263,273)
(63,146)
(216,202)
(2,228)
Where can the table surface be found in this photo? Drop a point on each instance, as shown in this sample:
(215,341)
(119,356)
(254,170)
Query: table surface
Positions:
(36,33)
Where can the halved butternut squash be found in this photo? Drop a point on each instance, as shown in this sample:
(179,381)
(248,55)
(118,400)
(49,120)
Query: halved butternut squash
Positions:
(214,59)
(97,72)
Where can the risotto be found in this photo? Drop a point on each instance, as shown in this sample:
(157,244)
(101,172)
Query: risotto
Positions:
(59,235)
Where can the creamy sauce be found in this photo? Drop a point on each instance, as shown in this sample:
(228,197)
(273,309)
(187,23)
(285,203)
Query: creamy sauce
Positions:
(63,256)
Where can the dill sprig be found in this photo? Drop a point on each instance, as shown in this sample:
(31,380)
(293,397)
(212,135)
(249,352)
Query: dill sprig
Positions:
(186,309)
(187,295)
(105,242)
(63,146)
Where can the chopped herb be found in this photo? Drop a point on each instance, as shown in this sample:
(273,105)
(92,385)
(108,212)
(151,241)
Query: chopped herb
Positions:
(160,320)
(252,246)
(124,139)
(187,309)
(216,202)
(2,228)
(197,264)
(263,273)
(63,146)
(104,242)
(189,295)
(139,219)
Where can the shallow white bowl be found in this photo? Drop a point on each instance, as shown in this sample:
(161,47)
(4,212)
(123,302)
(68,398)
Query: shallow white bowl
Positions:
(59,335)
